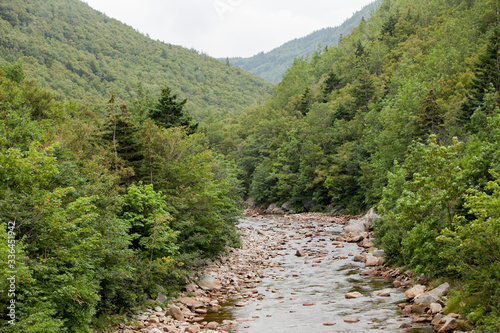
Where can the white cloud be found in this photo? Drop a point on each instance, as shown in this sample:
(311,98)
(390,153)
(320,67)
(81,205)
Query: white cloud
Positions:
(226,28)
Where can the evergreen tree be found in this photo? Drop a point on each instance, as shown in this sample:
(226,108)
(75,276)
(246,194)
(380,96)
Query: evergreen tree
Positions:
(120,131)
(169,112)
(429,121)
(486,72)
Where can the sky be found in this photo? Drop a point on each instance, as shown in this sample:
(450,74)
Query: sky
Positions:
(229,28)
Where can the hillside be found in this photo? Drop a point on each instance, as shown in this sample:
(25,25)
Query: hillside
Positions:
(403,115)
(273,65)
(82,54)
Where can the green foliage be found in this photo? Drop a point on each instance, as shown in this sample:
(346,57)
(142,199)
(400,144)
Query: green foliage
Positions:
(169,113)
(83,54)
(90,242)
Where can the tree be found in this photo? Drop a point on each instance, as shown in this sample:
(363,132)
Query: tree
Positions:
(487,72)
(168,112)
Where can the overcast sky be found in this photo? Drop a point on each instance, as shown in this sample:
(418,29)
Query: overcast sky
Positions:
(229,28)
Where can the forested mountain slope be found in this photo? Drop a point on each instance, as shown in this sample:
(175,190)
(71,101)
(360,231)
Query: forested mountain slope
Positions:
(273,65)
(403,115)
(82,54)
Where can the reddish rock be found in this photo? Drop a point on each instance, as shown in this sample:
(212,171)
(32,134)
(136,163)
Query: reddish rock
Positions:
(354,294)
(414,291)
(329,323)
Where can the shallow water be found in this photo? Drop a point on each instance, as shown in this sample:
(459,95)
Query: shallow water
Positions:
(322,279)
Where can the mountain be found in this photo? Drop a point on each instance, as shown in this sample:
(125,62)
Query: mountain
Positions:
(82,54)
(273,65)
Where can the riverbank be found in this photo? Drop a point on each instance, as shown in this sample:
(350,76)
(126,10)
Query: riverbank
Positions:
(233,281)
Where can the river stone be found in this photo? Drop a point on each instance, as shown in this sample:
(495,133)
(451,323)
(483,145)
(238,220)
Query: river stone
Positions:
(436,308)
(366,243)
(351,320)
(190,302)
(371,260)
(355,294)
(208,282)
(414,291)
(329,323)
(213,325)
(432,296)
(175,312)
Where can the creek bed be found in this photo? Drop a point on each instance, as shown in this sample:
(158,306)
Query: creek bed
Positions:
(301,293)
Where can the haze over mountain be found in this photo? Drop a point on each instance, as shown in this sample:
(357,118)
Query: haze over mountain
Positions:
(273,65)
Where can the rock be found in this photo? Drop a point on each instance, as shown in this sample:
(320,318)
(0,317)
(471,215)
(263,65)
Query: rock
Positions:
(153,320)
(191,329)
(308,304)
(128,331)
(175,312)
(158,309)
(208,282)
(351,320)
(300,253)
(366,243)
(371,260)
(414,291)
(384,293)
(329,323)
(359,258)
(437,319)
(154,330)
(450,324)
(288,207)
(161,298)
(213,325)
(433,295)
(191,302)
(354,294)
(357,226)
(371,216)
(436,308)
(273,209)
(378,253)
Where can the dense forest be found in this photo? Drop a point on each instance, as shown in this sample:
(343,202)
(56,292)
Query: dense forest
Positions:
(273,65)
(402,115)
(113,182)
(102,208)
(83,54)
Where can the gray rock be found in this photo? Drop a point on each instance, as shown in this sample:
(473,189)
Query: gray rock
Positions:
(161,298)
(287,207)
(273,209)
(433,295)
(208,282)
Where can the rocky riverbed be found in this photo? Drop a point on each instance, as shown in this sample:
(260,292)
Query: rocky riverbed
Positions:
(301,272)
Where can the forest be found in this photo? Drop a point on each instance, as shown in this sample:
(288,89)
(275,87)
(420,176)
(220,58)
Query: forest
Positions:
(273,65)
(108,198)
(403,115)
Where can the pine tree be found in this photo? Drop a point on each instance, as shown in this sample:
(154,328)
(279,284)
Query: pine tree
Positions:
(487,72)
(169,112)
(429,121)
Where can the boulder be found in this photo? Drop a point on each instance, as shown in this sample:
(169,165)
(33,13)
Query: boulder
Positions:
(273,209)
(287,207)
(208,282)
(371,260)
(433,295)
(414,291)
(175,312)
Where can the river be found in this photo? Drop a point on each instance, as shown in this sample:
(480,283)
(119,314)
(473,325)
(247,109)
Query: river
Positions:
(303,293)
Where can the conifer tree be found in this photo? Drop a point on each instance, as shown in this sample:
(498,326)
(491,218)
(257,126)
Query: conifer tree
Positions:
(168,112)
(486,72)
